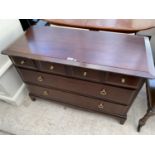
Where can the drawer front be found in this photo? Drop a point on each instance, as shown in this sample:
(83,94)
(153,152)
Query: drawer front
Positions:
(78,100)
(123,80)
(52,68)
(87,74)
(120,95)
(24,62)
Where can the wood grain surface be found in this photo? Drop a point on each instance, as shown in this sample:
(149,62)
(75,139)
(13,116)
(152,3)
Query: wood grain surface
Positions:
(107,51)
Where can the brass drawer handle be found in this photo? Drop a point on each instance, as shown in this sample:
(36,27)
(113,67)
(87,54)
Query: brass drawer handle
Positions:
(103,92)
(84,73)
(40,78)
(22,62)
(51,67)
(45,93)
(101,106)
(123,80)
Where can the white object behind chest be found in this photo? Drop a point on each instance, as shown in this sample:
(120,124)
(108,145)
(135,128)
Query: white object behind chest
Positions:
(12,89)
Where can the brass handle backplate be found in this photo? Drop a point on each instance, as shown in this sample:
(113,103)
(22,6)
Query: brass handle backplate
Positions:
(103,92)
(101,106)
(51,67)
(45,93)
(40,78)
(123,80)
(84,73)
(22,62)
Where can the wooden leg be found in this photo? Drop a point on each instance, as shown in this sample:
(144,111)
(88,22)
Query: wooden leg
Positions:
(122,120)
(151,108)
(143,120)
(32,97)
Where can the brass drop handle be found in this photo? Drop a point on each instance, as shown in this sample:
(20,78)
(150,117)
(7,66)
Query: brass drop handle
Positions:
(45,93)
(22,62)
(84,73)
(101,106)
(40,78)
(123,80)
(103,92)
(51,67)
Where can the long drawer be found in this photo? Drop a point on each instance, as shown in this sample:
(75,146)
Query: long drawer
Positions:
(101,91)
(78,100)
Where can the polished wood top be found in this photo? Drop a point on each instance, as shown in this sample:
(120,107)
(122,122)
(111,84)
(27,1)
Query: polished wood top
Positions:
(107,51)
(115,25)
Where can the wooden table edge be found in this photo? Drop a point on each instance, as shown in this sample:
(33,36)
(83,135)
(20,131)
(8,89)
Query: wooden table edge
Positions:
(89,27)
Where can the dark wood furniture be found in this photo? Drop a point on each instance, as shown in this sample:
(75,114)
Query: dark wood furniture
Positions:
(115,25)
(150,89)
(100,71)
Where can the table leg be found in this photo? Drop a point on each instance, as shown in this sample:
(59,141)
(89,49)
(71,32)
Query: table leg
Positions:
(143,120)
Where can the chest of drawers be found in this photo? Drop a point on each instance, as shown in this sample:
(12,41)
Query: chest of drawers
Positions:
(98,71)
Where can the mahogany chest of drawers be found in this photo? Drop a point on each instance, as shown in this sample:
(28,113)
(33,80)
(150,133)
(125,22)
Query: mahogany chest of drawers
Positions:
(98,71)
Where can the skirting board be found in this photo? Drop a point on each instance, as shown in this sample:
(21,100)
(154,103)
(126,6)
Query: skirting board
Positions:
(18,98)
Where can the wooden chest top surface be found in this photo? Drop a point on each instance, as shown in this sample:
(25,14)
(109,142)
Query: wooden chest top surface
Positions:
(107,51)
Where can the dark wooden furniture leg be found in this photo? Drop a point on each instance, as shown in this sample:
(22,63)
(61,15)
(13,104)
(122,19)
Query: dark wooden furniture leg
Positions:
(150,90)
(122,121)
(32,97)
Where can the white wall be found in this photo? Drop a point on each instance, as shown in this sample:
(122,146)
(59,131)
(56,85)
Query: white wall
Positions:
(12,89)
(10,30)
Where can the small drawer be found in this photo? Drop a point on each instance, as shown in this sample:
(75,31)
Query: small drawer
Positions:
(24,62)
(52,68)
(101,91)
(123,80)
(78,100)
(87,74)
